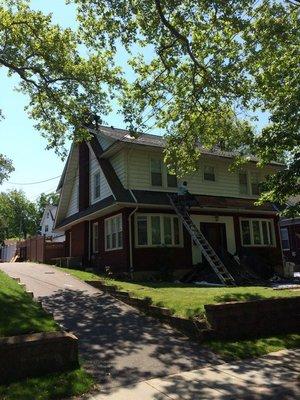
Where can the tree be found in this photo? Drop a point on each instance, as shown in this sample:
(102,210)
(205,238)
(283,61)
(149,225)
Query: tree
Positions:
(64,87)
(19,216)
(44,200)
(205,69)
(6,168)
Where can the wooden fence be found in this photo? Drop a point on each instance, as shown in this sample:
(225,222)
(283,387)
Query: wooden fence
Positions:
(39,249)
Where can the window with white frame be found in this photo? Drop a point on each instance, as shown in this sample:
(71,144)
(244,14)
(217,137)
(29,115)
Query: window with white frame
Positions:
(158,230)
(209,173)
(284,232)
(255,183)
(114,233)
(243,182)
(156,172)
(160,175)
(96,185)
(46,228)
(257,232)
(95,235)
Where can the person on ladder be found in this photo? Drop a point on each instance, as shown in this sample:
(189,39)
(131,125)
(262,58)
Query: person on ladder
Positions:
(185,198)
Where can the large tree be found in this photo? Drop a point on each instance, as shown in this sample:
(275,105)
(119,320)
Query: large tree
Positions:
(50,199)
(19,216)
(6,168)
(204,70)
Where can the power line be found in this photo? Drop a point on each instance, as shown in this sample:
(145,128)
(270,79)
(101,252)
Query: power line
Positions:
(34,183)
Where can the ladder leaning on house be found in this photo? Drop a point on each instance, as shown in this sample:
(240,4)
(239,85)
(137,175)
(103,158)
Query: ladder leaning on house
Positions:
(200,240)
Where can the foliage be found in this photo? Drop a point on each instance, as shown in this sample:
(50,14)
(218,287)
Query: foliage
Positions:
(18,215)
(50,199)
(6,168)
(207,69)
(65,84)
(25,315)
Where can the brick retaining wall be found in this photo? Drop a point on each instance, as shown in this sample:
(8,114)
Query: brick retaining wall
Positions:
(36,354)
(254,318)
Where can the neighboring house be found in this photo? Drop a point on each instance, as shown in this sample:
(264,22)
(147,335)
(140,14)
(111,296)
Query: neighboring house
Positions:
(115,210)
(47,223)
(290,237)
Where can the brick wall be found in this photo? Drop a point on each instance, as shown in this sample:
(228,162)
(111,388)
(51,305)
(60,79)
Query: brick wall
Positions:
(37,354)
(254,318)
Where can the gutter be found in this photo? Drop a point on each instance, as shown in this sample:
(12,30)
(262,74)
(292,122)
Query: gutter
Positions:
(130,235)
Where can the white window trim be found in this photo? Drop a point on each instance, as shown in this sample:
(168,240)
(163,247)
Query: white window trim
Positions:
(105,233)
(215,173)
(149,233)
(249,184)
(94,188)
(164,173)
(288,239)
(95,224)
(261,233)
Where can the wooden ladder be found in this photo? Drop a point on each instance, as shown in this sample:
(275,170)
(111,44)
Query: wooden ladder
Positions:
(200,240)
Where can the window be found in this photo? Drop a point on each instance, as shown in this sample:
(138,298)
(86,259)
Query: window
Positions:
(209,173)
(114,233)
(171,181)
(48,215)
(96,185)
(156,172)
(243,182)
(95,237)
(160,175)
(158,230)
(255,182)
(257,232)
(46,228)
(285,238)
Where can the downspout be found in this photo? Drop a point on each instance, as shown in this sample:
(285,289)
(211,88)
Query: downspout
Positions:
(130,236)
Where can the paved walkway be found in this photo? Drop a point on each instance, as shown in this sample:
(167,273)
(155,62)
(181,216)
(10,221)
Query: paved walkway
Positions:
(274,377)
(117,344)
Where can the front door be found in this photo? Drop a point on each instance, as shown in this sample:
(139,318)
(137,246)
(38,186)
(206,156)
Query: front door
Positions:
(215,233)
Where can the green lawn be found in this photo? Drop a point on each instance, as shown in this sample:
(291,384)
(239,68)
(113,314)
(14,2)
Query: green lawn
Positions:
(49,387)
(187,300)
(235,350)
(19,314)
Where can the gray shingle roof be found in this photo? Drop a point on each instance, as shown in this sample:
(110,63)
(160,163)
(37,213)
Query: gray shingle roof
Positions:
(123,135)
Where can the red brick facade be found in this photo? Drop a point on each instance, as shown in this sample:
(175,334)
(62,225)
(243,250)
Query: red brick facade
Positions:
(152,258)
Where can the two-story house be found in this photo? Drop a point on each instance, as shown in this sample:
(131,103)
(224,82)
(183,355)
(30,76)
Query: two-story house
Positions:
(115,210)
(47,225)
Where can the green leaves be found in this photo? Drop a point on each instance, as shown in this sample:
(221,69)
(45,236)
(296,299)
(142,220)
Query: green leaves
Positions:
(6,167)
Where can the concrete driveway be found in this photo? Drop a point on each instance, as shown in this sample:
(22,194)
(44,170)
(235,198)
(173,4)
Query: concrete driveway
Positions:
(117,344)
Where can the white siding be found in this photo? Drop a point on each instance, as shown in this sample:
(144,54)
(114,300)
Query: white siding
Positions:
(105,190)
(118,161)
(73,204)
(226,183)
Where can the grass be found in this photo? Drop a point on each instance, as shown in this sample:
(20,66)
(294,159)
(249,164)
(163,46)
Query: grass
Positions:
(187,300)
(236,350)
(48,387)
(19,314)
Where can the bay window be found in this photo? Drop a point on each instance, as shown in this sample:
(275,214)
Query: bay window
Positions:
(114,233)
(158,230)
(257,232)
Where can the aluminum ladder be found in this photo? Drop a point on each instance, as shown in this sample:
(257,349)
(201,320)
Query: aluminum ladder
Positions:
(200,240)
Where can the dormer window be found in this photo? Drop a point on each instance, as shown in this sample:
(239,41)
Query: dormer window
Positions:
(209,173)
(255,183)
(243,182)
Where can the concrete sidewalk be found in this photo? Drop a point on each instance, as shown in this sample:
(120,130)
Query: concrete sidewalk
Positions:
(273,377)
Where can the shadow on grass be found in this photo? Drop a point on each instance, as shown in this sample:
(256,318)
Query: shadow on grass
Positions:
(225,298)
(52,386)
